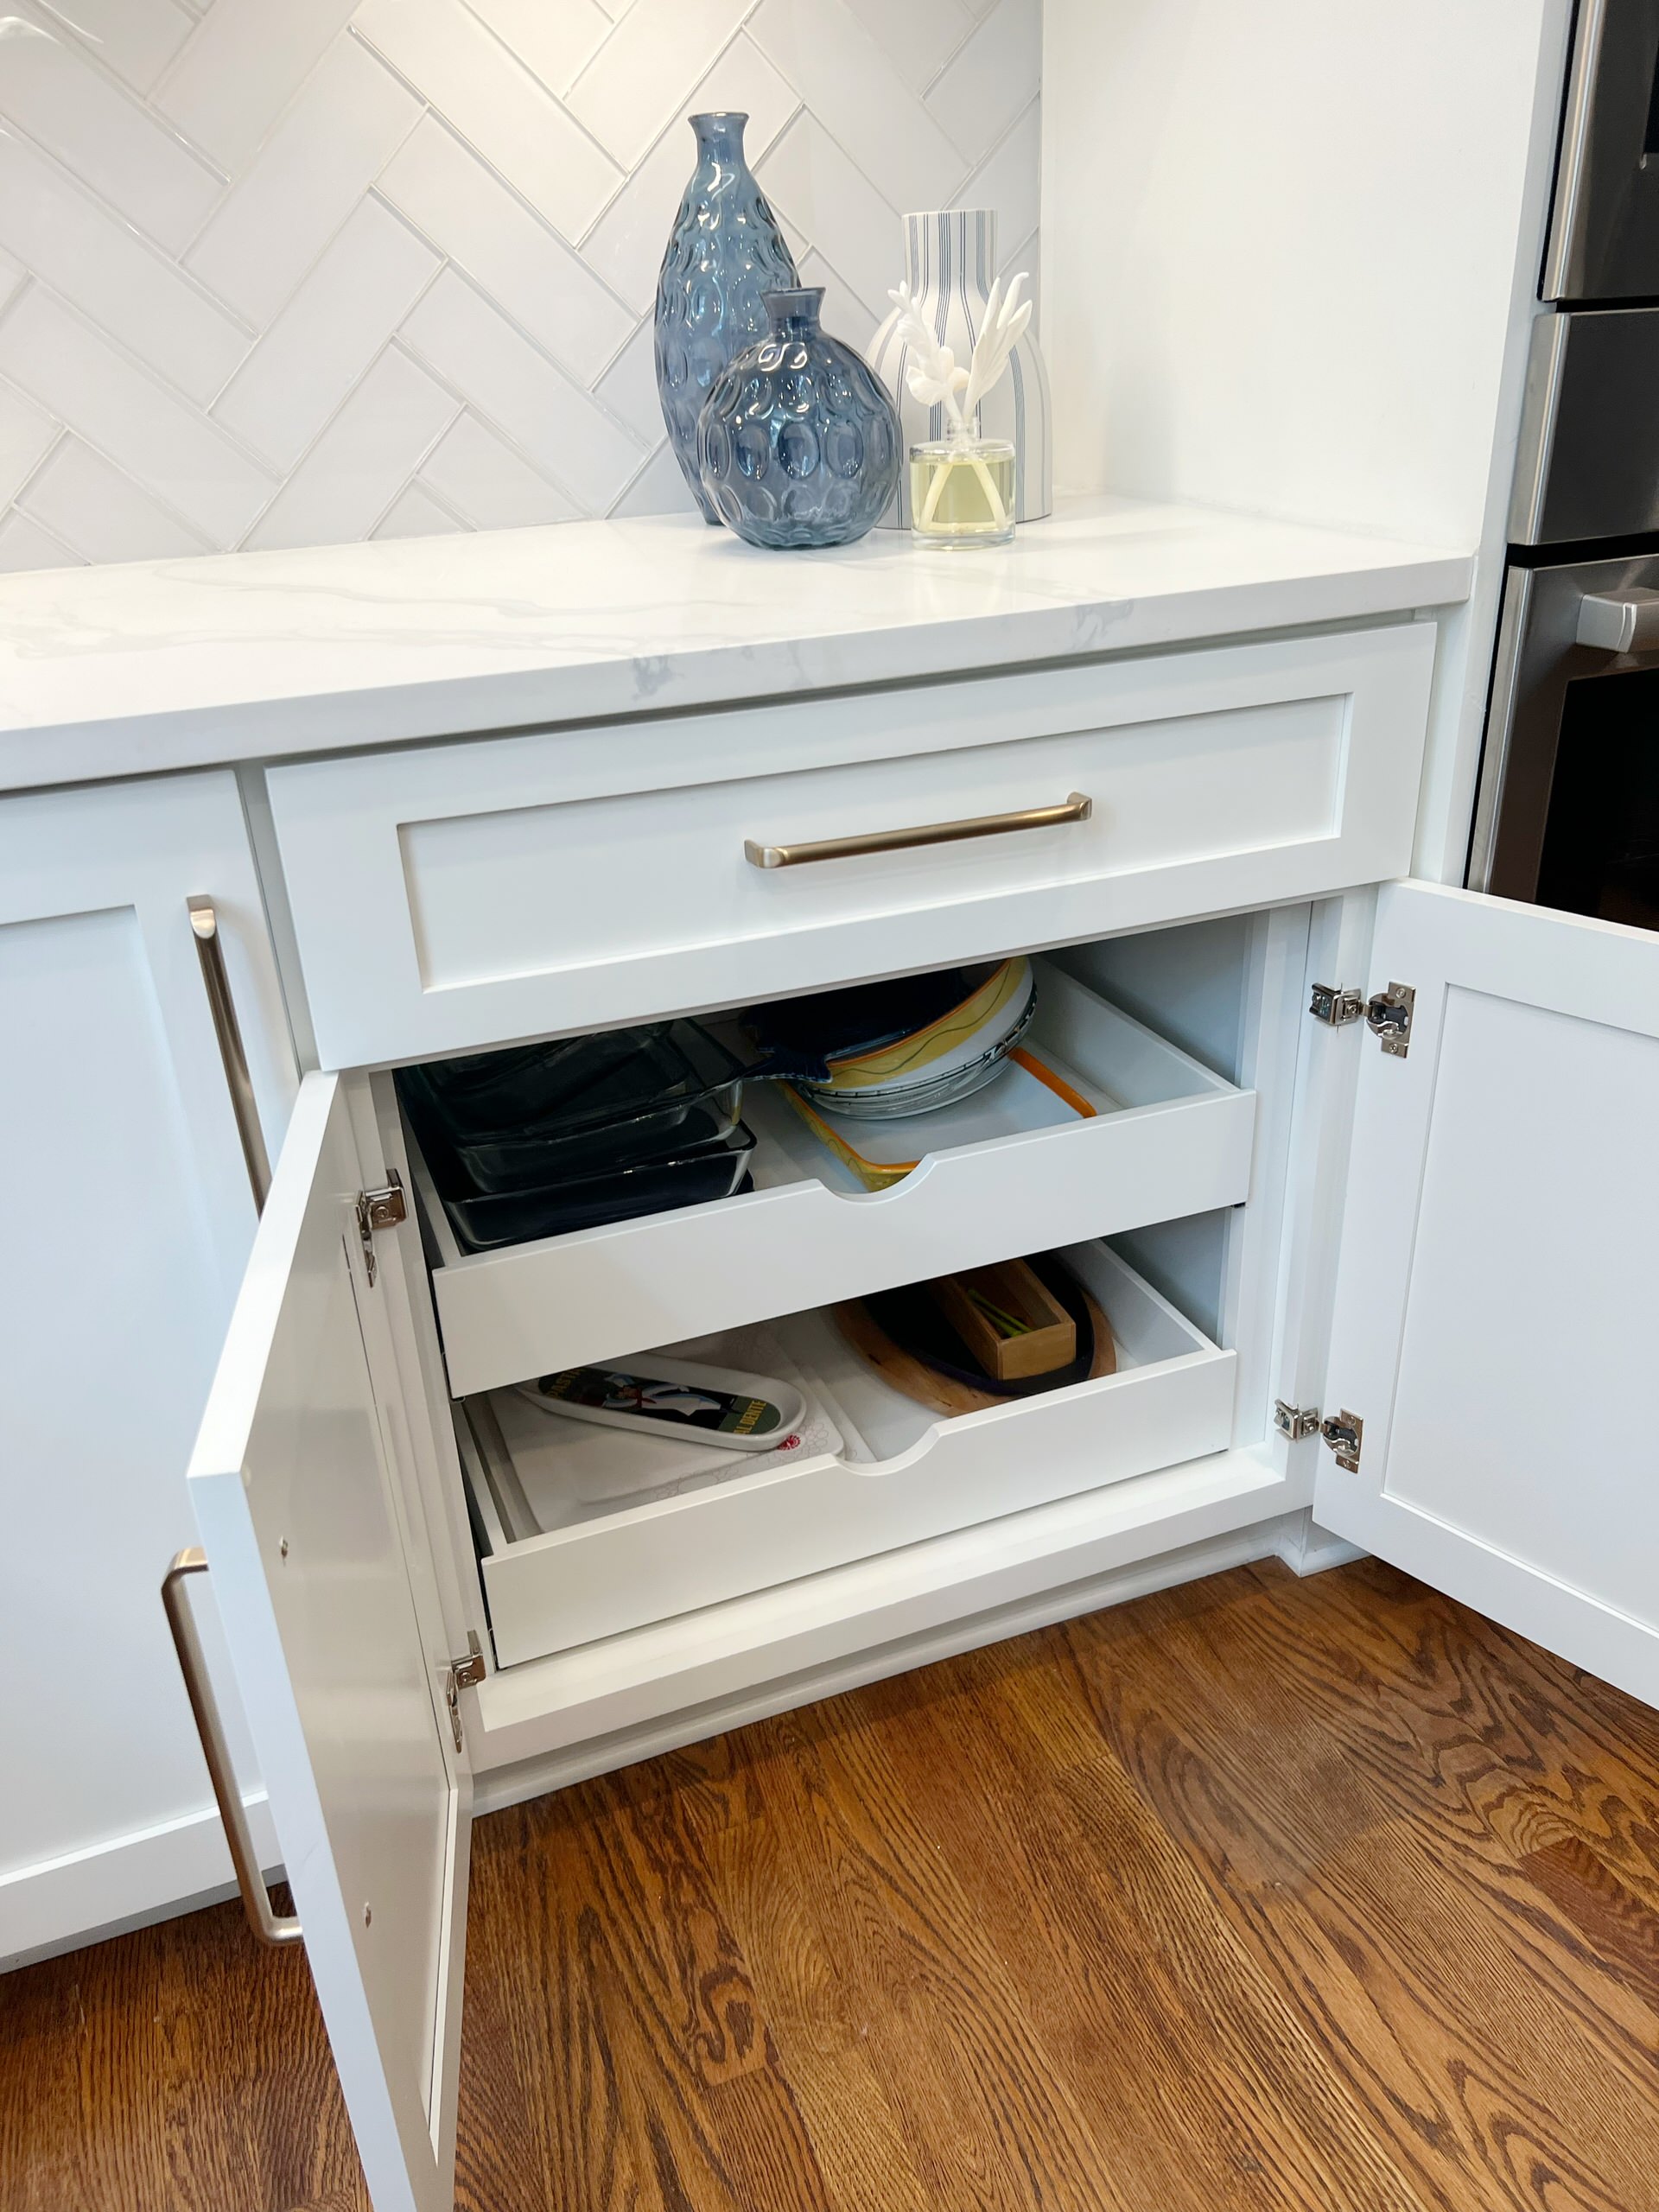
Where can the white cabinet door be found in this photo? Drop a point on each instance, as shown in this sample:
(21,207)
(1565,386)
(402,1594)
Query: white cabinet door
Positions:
(125,1221)
(1497,1297)
(300,1515)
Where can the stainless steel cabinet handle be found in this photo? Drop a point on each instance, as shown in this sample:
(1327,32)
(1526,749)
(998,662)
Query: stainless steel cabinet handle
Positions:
(205,922)
(1628,623)
(270,1927)
(1076,808)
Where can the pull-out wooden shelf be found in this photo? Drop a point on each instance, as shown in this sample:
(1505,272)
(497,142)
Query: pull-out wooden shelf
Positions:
(1168,1138)
(902,1475)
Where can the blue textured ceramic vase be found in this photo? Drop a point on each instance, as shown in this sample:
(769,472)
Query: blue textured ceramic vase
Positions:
(724,254)
(799,441)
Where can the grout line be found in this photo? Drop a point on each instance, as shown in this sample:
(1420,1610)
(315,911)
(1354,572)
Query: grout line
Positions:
(150,373)
(554,92)
(140,103)
(471,405)
(59,438)
(586,391)
(272,128)
(74,182)
(425,485)
(575,121)
(507,186)
(70,560)
(69,436)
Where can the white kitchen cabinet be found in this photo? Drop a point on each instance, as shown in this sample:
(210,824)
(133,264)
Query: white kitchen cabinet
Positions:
(1392,1265)
(128,1217)
(1496,1300)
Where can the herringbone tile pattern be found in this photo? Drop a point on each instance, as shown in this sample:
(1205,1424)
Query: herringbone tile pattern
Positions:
(291,272)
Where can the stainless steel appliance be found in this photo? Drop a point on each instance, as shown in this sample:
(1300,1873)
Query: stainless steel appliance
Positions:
(1569,808)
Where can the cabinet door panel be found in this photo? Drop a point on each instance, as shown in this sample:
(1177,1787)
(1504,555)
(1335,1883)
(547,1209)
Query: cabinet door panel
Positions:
(294,1495)
(125,1221)
(1497,1300)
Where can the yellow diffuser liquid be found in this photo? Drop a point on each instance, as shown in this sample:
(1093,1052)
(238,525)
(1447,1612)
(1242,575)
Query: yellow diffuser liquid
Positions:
(962,492)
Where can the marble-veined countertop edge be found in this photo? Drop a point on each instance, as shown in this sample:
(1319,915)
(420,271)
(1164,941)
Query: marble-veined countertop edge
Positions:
(152,666)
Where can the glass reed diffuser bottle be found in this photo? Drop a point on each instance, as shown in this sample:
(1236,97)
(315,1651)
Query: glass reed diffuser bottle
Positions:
(961,486)
(962,490)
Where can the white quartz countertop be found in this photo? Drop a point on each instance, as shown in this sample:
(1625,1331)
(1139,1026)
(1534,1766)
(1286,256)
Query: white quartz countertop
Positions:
(160,665)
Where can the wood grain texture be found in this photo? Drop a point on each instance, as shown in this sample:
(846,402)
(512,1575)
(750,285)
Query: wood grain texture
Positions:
(1253,1894)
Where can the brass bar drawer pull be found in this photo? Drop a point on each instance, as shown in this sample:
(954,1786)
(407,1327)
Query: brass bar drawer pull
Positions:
(1075,808)
(268,1925)
(204,922)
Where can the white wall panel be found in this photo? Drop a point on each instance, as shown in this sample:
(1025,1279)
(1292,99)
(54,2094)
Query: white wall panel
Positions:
(229,228)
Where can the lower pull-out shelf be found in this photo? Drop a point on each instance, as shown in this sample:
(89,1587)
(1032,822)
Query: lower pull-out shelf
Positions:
(608,1559)
(1150,1133)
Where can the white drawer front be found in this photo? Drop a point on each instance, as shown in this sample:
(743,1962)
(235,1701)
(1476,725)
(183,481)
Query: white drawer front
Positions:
(602,1577)
(465,895)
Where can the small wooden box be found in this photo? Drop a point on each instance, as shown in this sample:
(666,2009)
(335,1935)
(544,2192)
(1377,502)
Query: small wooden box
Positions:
(982,1302)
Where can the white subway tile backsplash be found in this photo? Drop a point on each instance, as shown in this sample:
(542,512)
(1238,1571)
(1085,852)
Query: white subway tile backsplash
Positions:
(100,512)
(372,274)
(274,272)
(919,36)
(495,104)
(659,489)
(994,75)
(102,135)
(24,544)
(470,215)
(818,191)
(415,514)
(241,66)
(27,434)
(474,348)
(854,93)
(481,478)
(554,41)
(74,243)
(357,466)
(644,71)
(134,38)
(1008,180)
(348,120)
(628,387)
(158,438)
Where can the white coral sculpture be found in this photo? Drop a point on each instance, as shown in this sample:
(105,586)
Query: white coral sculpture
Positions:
(934,378)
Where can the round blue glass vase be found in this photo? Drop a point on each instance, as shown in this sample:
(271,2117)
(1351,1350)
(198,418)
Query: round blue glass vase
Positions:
(724,254)
(798,443)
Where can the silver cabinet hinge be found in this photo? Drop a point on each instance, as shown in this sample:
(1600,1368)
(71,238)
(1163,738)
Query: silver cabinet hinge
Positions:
(1336,1004)
(381,1209)
(1342,1432)
(464,1674)
(1295,1422)
(1388,1016)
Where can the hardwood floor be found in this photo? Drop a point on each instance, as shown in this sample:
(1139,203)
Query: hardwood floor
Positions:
(1303,1896)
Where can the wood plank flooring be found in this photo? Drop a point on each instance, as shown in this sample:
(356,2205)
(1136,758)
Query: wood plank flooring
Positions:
(1300,1896)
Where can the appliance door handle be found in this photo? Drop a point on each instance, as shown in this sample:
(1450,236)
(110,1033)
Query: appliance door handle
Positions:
(1075,808)
(1627,622)
(269,1925)
(210,950)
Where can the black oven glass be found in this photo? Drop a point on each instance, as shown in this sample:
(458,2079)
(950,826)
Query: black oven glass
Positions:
(1601,839)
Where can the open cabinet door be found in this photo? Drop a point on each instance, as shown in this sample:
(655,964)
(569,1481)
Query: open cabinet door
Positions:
(1497,1320)
(298,1516)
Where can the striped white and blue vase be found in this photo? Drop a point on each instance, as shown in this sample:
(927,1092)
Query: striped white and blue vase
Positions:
(949,262)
